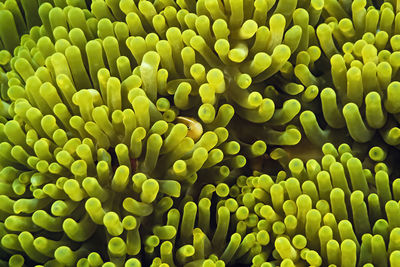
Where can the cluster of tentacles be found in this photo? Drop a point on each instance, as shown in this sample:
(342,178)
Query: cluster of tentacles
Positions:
(203,133)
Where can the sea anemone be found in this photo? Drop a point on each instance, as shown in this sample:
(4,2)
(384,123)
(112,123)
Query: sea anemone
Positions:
(199,133)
